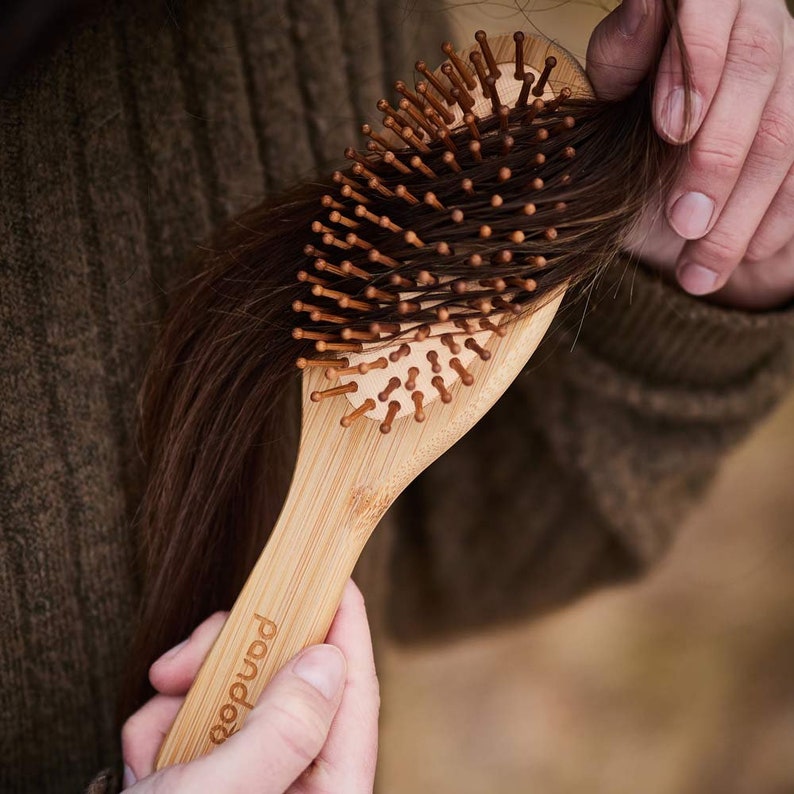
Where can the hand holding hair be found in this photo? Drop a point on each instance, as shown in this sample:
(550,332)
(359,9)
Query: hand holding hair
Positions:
(316,721)
(728,228)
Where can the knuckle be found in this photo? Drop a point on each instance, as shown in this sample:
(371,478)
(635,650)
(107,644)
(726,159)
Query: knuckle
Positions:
(705,53)
(755,48)
(301,730)
(716,155)
(775,137)
(721,250)
(757,252)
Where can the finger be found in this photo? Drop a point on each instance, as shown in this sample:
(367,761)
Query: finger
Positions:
(705,29)
(777,229)
(761,286)
(143,733)
(623,48)
(733,177)
(348,759)
(283,734)
(174,671)
(720,149)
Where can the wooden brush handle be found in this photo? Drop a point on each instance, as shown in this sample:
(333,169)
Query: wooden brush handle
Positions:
(287,604)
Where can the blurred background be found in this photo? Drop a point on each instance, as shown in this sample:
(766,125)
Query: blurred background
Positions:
(682,683)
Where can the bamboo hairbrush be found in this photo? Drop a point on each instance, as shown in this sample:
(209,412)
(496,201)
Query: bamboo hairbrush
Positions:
(398,361)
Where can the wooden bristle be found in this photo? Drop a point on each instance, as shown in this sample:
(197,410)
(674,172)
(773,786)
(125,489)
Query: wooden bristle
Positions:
(438,383)
(563,96)
(397,280)
(390,158)
(348,388)
(308,363)
(394,407)
(482,39)
(465,376)
(487,325)
(462,96)
(336,217)
(535,108)
(419,414)
(385,328)
(472,344)
(421,67)
(308,278)
(518,38)
(390,113)
(448,158)
(426,278)
(449,341)
(348,192)
(337,347)
(479,67)
(432,357)
(331,202)
(375,256)
(551,62)
(432,200)
(470,120)
(377,294)
(401,88)
(464,73)
(402,192)
(418,164)
(419,118)
(367,405)
(314,336)
(494,94)
(412,238)
(358,334)
(349,269)
(394,383)
(437,106)
(401,352)
(504,120)
(523,97)
(367,130)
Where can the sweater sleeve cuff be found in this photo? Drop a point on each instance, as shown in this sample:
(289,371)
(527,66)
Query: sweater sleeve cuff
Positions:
(637,323)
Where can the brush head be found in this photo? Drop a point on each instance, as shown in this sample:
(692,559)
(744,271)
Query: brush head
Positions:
(442,231)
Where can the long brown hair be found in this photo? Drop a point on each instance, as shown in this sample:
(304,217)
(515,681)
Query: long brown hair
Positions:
(218,406)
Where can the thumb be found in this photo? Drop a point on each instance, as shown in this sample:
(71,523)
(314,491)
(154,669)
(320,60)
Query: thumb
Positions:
(624,47)
(282,736)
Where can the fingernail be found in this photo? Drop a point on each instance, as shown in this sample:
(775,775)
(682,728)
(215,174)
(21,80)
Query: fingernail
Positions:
(696,279)
(632,15)
(129,778)
(323,667)
(174,651)
(691,215)
(674,120)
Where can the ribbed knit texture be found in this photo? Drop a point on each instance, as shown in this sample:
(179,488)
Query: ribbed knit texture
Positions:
(119,151)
